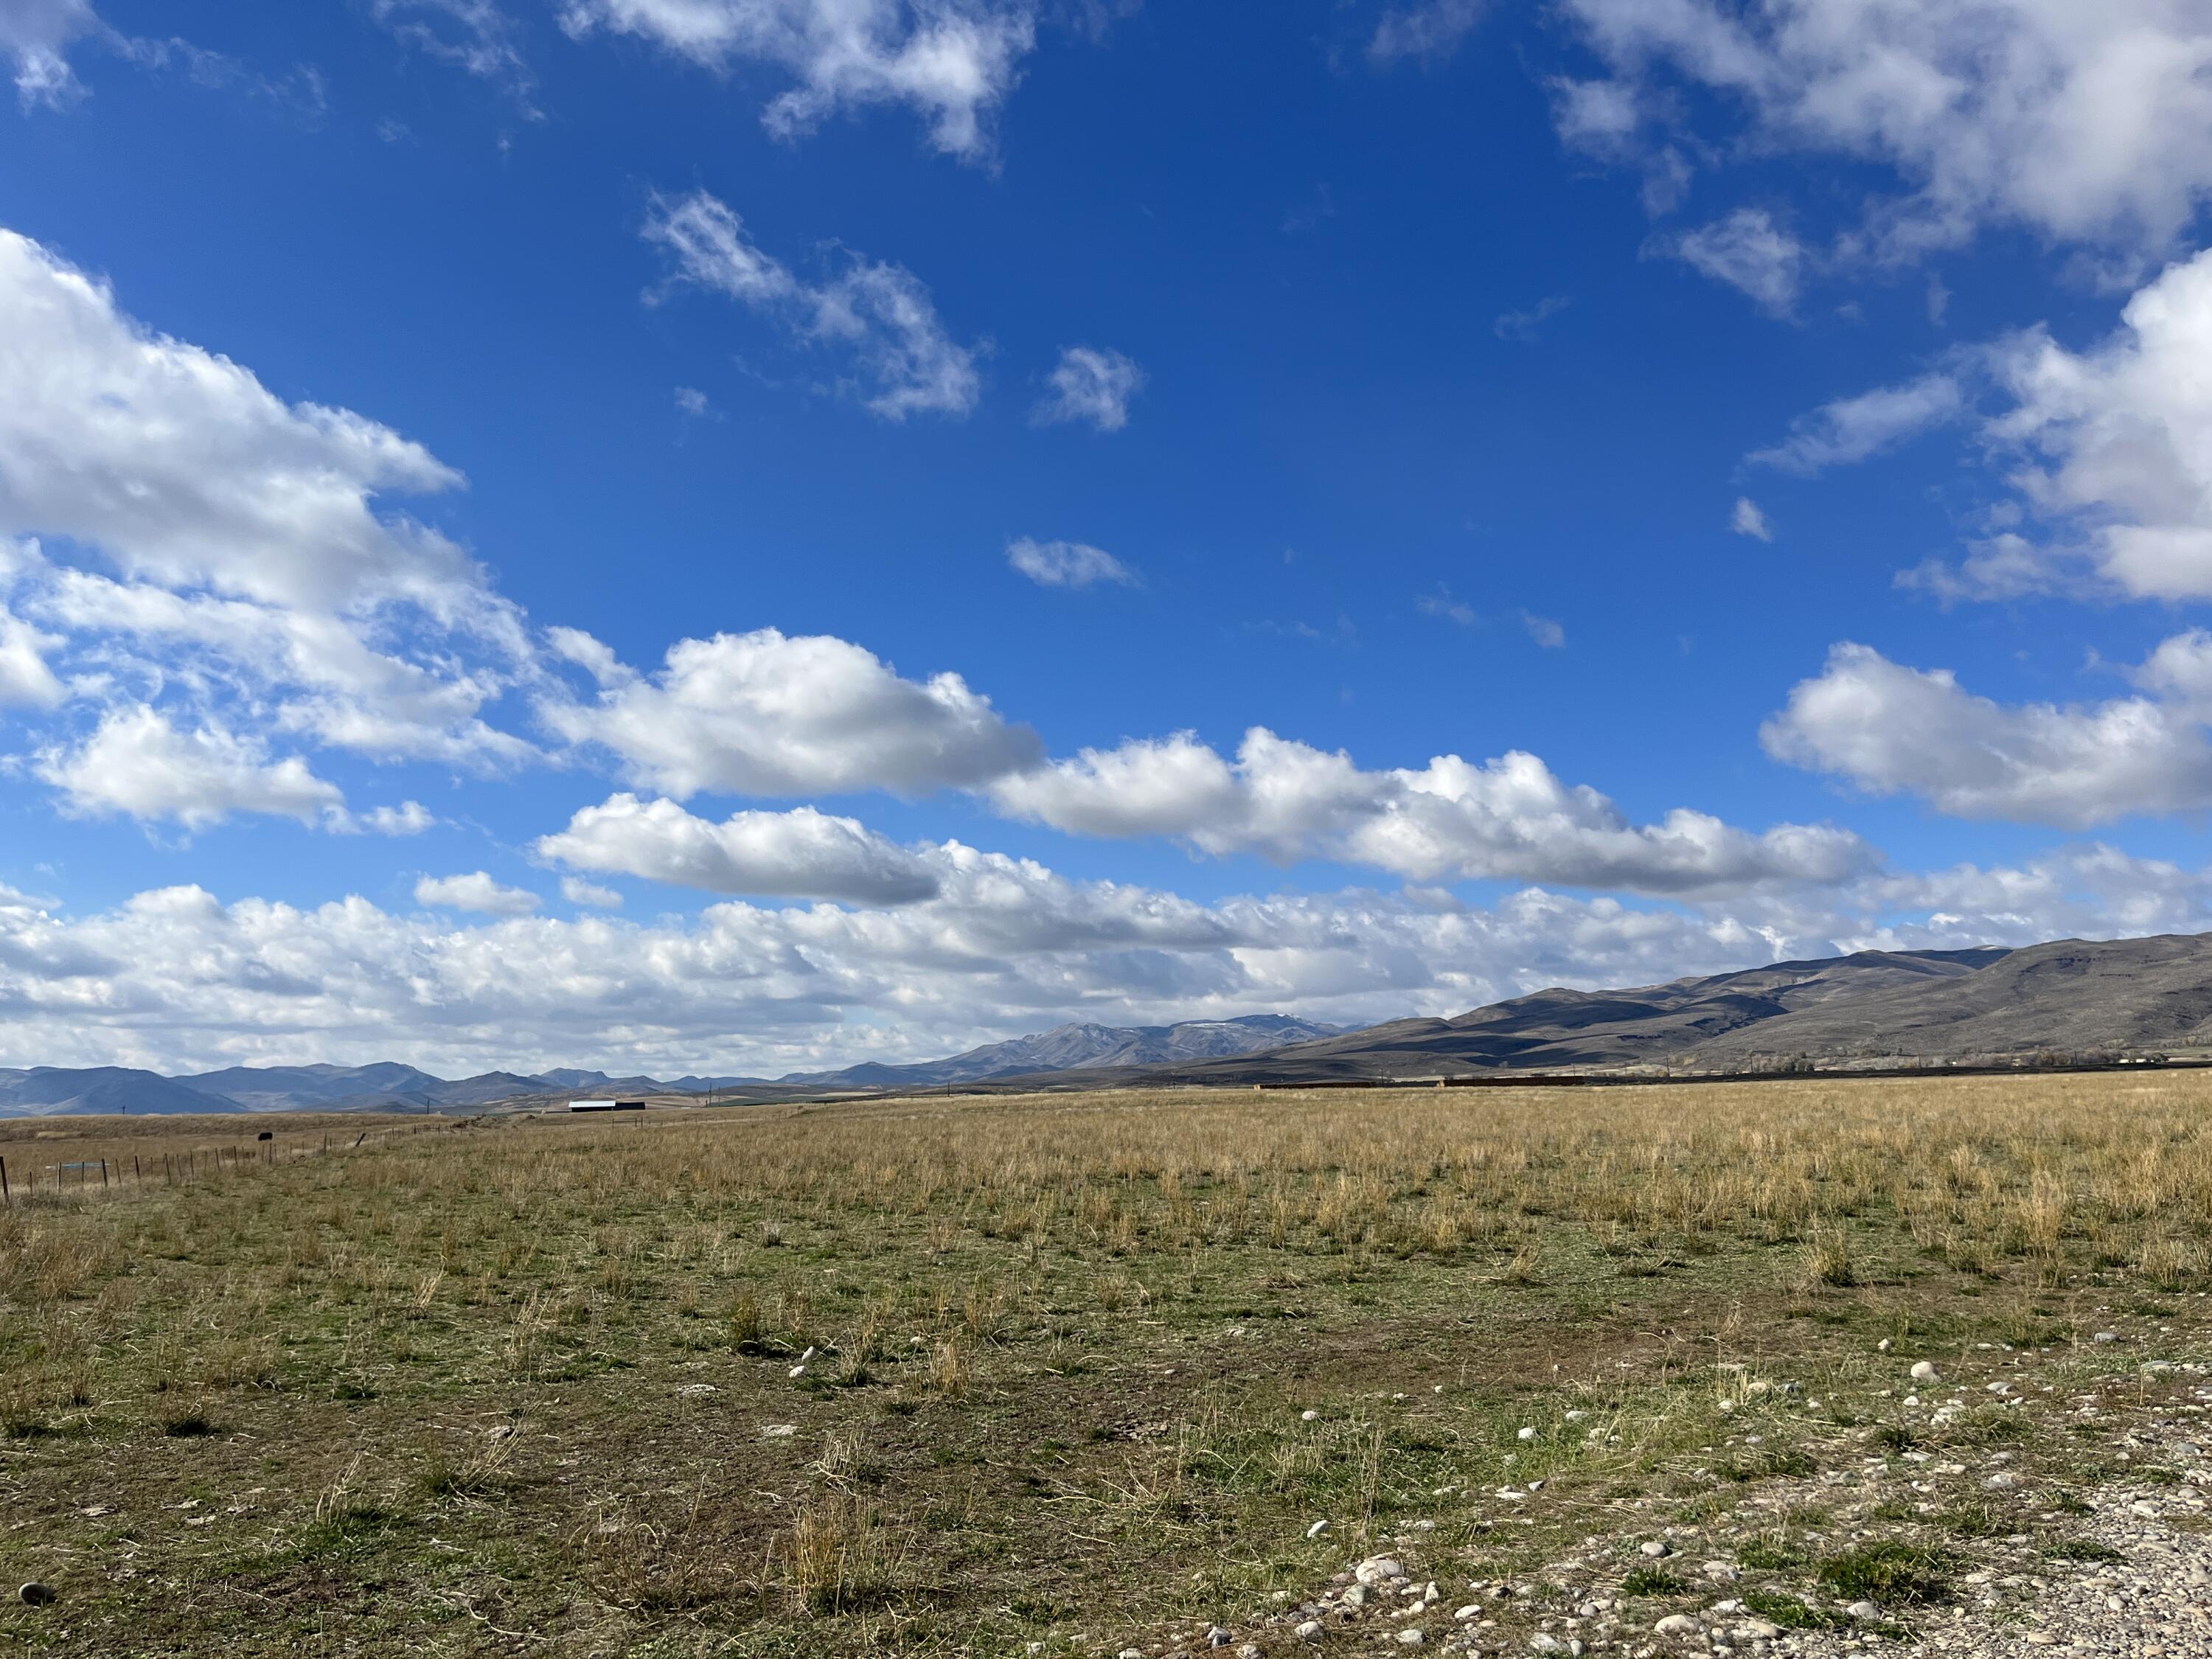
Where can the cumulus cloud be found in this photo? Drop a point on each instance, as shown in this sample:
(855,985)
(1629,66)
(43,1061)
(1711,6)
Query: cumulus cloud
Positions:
(800,854)
(178,980)
(590,894)
(954,63)
(136,763)
(1091,385)
(2107,449)
(1749,520)
(186,470)
(25,678)
(2090,125)
(223,539)
(1509,818)
(1893,730)
(476,892)
(1851,429)
(767,713)
(1748,250)
(1067,564)
(410,818)
(879,317)
(35,36)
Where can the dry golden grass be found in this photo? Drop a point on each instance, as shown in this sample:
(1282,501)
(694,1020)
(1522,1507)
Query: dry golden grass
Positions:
(1062,1343)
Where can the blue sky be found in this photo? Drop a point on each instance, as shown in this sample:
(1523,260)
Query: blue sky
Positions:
(736,534)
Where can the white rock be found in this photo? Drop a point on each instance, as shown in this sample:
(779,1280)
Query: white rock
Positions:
(1528,1434)
(778,1431)
(2106,1336)
(1542,1643)
(1308,1417)
(1317,1528)
(1678,1624)
(1309,1631)
(1655,1549)
(1411,1638)
(1723,1570)
(1756,1629)
(1923,1372)
(1377,1569)
(1472,1610)
(1864,1612)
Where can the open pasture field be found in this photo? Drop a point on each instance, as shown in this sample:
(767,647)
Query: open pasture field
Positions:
(1079,1374)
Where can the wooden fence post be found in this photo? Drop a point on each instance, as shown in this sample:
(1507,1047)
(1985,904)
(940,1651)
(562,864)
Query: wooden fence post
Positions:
(6,1197)
(103,1174)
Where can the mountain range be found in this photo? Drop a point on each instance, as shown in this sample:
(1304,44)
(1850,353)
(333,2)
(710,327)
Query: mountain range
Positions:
(2128,996)
(48,1091)
(2132,995)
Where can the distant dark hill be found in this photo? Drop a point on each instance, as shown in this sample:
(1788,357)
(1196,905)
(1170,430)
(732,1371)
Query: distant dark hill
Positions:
(1558,1029)
(49,1091)
(2071,995)
(1070,1046)
(298,1088)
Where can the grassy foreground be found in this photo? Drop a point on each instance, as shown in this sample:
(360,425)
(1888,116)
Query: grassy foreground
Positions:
(962,1376)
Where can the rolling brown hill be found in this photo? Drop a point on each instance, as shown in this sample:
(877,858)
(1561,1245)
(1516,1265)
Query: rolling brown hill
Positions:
(2133,995)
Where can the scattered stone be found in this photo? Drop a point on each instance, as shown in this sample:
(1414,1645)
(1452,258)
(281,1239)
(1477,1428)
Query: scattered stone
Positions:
(1220,1636)
(778,1431)
(1317,1529)
(696,1390)
(1307,1631)
(1655,1549)
(35,1595)
(1723,1570)
(2106,1336)
(1678,1624)
(1377,1570)
(1527,1433)
(1924,1371)
(1411,1638)
(1864,1612)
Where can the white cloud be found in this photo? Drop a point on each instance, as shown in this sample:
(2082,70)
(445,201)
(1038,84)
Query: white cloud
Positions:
(34,38)
(1545,632)
(590,894)
(410,818)
(1748,519)
(955,63)
(1067,564)
(693,402)
(2090,125)
(1892,729)
(178,979)
(474,36)
(1091,385)
(1508,818)
(25,678)
(2109,448)
(879,316)
(767,713)
(1851,429)
(476,892)
(1441,605)
(136,763)
(186,469)
(1522,326)
(800,854)
(1748,251)
(1430,29)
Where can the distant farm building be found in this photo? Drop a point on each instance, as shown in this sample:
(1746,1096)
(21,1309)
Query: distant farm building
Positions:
(606,1105)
